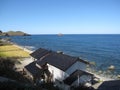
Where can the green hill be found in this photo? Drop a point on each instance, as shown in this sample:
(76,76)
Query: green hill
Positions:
(14,33)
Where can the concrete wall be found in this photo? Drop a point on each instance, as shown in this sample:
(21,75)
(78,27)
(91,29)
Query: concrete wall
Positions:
(57,73)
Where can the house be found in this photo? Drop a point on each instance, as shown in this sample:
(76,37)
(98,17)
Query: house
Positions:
(59,67)
(110,85)
(39,53)
(78,77)
(33,71)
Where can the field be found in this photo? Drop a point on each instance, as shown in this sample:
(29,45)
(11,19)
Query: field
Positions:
(12,51)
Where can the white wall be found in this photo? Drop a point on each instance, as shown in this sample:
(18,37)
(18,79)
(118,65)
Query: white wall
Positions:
(57,73)
(75,66)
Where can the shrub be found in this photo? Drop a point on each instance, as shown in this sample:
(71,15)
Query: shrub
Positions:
(7,70)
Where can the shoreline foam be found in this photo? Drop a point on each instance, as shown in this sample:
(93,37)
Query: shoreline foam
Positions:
(23,48)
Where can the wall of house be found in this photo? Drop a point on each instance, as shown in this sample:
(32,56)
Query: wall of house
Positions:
(57,73)
(75,66)
(82,80)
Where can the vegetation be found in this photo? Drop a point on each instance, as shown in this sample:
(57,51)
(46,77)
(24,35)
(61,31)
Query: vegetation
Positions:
(5,42)
(16,86)
(17,81)
(17,33)
(9,50)
(49,86)
(20,82)
(7,70)
(0,31)
(12,51)
(13,33)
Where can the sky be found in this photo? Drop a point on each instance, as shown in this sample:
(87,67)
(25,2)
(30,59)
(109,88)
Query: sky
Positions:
(60,16)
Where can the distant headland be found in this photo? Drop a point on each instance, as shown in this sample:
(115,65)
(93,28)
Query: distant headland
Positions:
(13,33)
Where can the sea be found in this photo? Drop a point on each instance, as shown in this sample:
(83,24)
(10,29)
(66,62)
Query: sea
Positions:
(102,49)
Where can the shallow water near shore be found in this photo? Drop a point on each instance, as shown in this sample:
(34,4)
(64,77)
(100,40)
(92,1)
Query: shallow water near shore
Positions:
(104,50)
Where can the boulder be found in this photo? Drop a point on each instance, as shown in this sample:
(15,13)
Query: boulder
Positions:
(111,67)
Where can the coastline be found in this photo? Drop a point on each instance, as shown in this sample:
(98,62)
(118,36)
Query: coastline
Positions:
(102,77)
(10,49)
(26,61)
(23,48)
(19,46)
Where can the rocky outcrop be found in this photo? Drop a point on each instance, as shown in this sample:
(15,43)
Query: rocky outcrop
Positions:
(14,33)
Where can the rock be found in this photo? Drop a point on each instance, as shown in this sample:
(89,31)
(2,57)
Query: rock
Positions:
(118,76)
(93,63)
(111,67)
(60,34)
(100,72)
(60,52)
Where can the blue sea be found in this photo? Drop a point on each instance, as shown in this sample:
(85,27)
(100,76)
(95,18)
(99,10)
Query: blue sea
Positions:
(104,50)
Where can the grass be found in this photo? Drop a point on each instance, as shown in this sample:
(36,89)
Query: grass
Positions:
(12,51)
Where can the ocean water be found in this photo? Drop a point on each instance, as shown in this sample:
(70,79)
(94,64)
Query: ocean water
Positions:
(104,50)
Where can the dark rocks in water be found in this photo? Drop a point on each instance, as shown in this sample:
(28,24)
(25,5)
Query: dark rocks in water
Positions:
(60,52)
(60,34)
(111,67)
(118,76)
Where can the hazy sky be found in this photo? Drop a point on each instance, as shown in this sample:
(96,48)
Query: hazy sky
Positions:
(61,16)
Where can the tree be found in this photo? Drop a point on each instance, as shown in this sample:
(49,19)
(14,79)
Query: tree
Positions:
(1,32)
(7,70)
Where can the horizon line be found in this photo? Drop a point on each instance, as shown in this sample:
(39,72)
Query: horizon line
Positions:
(79,34)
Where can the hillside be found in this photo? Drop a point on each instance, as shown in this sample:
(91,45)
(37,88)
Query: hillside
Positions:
(14,33)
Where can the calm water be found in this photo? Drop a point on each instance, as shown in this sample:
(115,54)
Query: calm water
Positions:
(102,49)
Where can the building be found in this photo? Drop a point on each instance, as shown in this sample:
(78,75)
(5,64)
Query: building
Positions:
(33,71)
(110,85)
(59,68)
